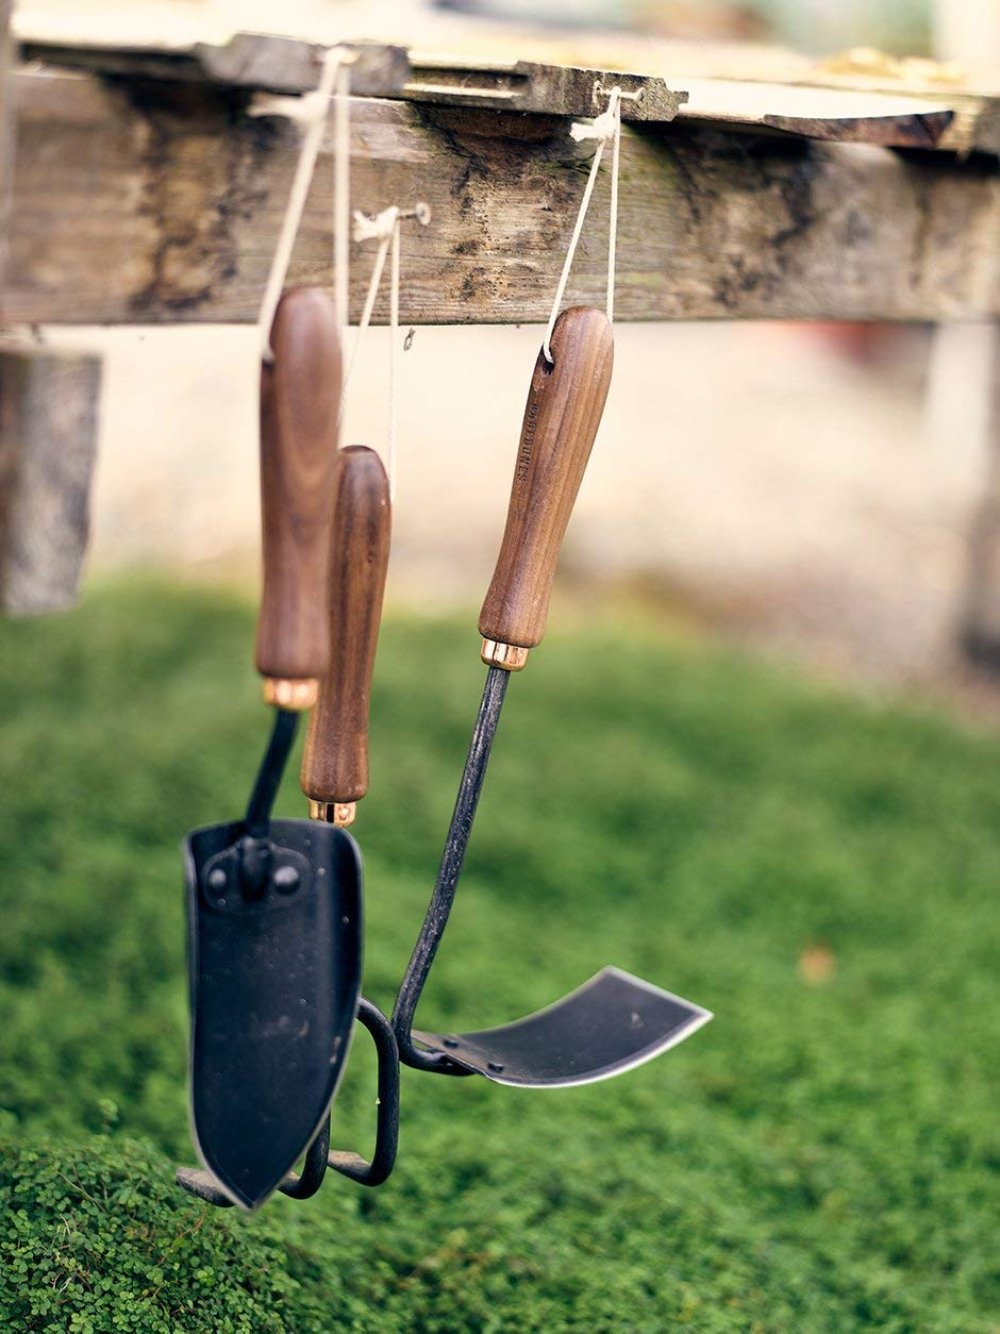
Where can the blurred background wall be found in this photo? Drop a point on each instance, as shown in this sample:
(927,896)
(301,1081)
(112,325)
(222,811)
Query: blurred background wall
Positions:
(811,488)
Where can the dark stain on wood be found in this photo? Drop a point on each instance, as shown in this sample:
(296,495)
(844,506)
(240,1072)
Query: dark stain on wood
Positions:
(190,171)
(144,206)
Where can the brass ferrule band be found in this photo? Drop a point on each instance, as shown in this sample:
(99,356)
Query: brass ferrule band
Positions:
(295,696)
(339,813)
(509,657)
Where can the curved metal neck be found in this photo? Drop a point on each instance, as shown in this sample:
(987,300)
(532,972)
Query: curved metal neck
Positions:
(449,871)
(270,773)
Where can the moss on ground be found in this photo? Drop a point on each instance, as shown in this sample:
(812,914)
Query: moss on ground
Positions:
(819,870)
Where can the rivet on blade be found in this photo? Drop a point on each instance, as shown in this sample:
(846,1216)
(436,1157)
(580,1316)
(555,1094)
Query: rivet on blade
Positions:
(286,879)
(217,880)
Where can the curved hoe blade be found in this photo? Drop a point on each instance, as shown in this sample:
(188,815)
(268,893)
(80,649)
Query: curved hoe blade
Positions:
(274,992)
(611,1024)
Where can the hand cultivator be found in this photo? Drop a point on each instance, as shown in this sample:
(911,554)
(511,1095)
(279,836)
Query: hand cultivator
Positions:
(275,906)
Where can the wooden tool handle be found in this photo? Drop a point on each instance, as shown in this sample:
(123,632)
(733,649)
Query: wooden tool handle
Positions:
(560,422)
(299,407)
(335,764)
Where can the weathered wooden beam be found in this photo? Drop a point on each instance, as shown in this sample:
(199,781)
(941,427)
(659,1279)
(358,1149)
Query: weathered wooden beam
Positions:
(48,442)
(161,202)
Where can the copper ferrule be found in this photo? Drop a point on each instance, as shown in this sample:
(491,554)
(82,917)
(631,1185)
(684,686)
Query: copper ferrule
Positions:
(295,696)
(339,813)
(509,657)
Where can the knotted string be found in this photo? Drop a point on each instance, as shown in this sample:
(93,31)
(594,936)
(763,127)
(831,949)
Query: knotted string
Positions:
(312,110)
(606,128)
(385,228)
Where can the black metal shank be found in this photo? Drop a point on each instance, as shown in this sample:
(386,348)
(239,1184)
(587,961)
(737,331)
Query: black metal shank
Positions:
(449,871)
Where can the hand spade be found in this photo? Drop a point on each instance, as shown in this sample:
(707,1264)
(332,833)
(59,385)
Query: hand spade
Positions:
(274,906)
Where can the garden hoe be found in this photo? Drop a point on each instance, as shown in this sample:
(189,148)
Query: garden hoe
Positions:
(334,777)
(274,906)
(614,1021)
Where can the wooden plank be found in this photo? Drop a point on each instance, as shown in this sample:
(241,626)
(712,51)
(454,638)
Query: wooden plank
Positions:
(839,116)
(553,81)
(48,442)
(253,61)
(159,202)
(289,65)
(834,115)
(524,85)
(971,92)
(976,123)
(281,64)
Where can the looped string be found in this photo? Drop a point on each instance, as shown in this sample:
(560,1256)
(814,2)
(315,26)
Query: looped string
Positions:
(606,128)
(342,204)
(385,228)
(378,228)
(311,109)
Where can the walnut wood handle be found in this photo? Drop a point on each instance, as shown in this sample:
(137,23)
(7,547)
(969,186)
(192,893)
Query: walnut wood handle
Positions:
(299,407)
(563,413)
(335,764)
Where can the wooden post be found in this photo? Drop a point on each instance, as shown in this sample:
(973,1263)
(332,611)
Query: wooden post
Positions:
(980,633)
(48,442)
(968,31)
(48,434)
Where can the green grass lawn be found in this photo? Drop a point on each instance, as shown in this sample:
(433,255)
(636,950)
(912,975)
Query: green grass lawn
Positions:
(824,1156)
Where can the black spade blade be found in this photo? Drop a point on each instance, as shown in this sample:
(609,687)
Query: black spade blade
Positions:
(275,980)
(611,1024)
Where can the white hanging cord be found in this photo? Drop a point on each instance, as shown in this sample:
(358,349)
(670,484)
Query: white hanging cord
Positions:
(385,228)
(616,153)
(605,128)
(312,110)
(393,358)
(382,227)
(342,199)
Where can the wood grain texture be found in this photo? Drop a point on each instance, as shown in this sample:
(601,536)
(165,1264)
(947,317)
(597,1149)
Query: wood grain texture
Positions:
(563,412)
(162,203)
(49,405)
(299,408)
(335,763)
